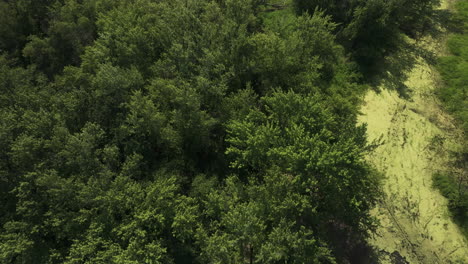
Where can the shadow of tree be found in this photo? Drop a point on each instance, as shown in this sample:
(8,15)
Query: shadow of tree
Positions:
(393,70)
(442,21)
(350,247)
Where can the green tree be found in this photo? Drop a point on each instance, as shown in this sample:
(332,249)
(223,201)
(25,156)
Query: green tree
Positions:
(300,137)
(370,30)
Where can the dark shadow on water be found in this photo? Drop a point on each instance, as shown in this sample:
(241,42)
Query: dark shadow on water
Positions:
(350,248)
(444,20)
(393,71)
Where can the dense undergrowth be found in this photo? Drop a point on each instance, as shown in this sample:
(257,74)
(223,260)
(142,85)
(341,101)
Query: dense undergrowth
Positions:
(189,131)
(454,95)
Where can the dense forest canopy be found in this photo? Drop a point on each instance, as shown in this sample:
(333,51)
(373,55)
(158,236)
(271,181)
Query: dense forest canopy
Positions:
(189,131)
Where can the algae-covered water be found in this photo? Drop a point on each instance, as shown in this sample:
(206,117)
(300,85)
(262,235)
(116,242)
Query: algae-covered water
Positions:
(413,138)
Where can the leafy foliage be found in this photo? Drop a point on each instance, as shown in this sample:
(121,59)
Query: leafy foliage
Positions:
(372,29)
(185,131)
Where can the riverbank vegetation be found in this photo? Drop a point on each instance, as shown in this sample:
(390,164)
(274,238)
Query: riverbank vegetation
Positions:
(454,95)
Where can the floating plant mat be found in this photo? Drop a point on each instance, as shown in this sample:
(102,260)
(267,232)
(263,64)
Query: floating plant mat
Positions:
(412,137)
